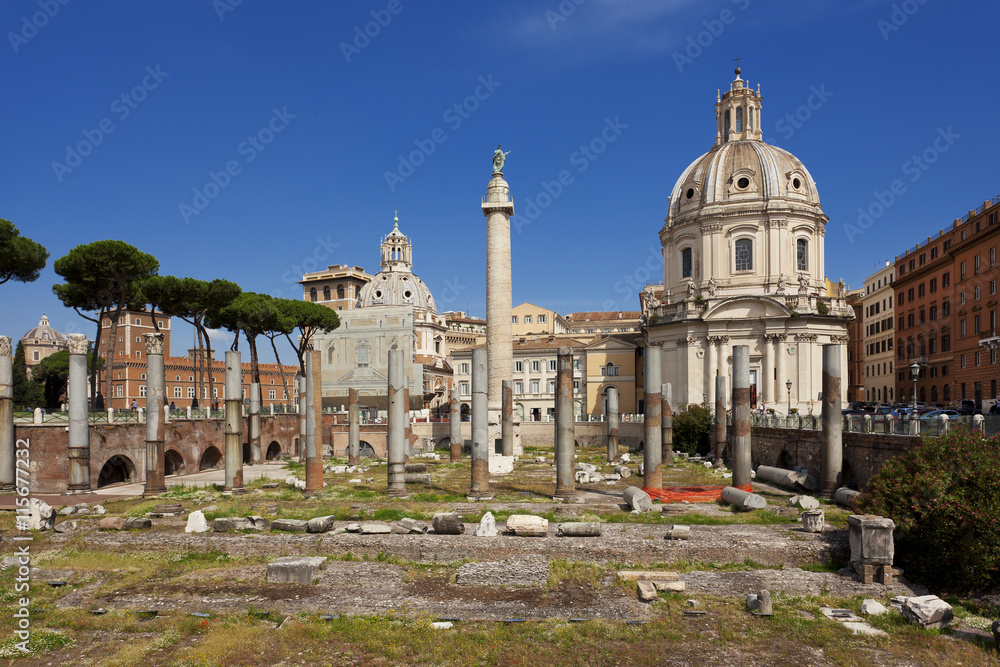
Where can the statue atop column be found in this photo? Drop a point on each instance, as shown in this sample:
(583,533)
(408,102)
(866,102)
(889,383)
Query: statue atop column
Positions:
(499,157)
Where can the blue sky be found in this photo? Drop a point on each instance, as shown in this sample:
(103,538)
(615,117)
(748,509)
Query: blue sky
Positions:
(256,140)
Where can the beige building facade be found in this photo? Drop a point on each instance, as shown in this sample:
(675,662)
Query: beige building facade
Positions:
(878,334)
(337,287)
(528,319)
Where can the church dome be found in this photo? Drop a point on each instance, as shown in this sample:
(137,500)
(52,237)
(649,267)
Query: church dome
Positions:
(740,168)
(396,284)
(44,334)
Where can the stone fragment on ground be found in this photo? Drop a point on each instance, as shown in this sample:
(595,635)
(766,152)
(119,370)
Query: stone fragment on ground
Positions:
(41,515)
(319,524)
(813,521)
(929,611)
(406,526)
(487,526)
(66,526)
(196,522)
(294,569)
(137,523)
(647,591)
(375,529)
(528,525)
(111,523)
(805,502)
(637,499)
(579,529)
(678,532)
(870,607)
(447,523)
(290,525)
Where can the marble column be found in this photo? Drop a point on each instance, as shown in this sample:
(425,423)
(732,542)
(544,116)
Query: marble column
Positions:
(832,461)
(507,419)
(612,424)
(353,428)
(155,472)
(234,423)
(740,456)
(711,364)
(779,365)
(455,427)
(498,209)
(303,407)
(666,424)
(395,449)
(7,455)
(652,446)
(314,421)
(481,446)
(79,414)
(769,381)
(254,422)
(564,440)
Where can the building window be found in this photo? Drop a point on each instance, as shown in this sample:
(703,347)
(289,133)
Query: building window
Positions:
(142,391)
(961,364)
(686,263)
(513,319)
(552,364)
(976,297)
(945,279)
(961,328)
(802,254)
(933,314)
(534,386)
(518,366)
(610,369)
(312,294)
(340,291)
(961,271)
(975,324)
(744,254)
(272,394)
(463,388)
(945,346)
(177,392)
(945,308)
(190,392)
(933,286)
(977,358)
(518,387)
(463,368)
(527,319)
(34,354)
(536,366)
(552,386)
(961,298)
(542,319)
(326,293)
(975,266)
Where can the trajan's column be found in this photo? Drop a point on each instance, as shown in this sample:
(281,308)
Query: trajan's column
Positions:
(498,209)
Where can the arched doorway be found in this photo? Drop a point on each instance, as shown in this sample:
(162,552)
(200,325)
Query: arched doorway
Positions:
(784,461)
(212,458)
(466,411)
(118,470)
(443,443)
(366,450)
(173,462)
(273,450)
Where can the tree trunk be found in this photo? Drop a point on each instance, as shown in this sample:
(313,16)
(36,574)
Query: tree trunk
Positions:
(110,365)
(197,368)
(208,347)
(281,370)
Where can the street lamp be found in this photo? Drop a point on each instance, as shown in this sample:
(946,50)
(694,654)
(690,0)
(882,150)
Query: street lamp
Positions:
(788,386)
(915,373)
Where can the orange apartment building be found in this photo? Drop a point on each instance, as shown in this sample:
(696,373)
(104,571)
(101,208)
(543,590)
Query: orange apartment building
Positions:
(181,374)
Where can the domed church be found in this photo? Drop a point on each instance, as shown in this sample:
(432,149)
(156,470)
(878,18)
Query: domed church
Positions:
(395,309)
(743,265)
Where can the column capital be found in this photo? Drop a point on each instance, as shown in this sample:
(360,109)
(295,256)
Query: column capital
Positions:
(77,343)
(5,349)
(840,340)
(686,341)
(154,343)
(806,337)
(776,337)
(718,340)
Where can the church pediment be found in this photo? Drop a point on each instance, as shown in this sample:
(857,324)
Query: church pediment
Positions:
(746,308)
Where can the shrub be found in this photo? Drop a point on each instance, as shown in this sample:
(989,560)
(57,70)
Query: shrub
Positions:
(692,427)
(944,496)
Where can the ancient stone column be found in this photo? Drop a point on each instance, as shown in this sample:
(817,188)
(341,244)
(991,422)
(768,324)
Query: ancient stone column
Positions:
(7,455)
(396,426)
(564,442)
(155,473)
(507,419)
(79,414)
(667,418)
(498,209)
(254,422)
(480,426)
(740,455)
(833,449)
(353,428)
(455,427)
(234,423)
(720,419)
(303,406)
(314,421)
(612,419)
(652,463)
(407,432)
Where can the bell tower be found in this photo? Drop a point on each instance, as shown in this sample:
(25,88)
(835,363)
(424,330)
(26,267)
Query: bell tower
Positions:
(396,253)
(737,113)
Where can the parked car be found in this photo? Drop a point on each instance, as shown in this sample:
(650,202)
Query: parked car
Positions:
(968,407)
(934,414)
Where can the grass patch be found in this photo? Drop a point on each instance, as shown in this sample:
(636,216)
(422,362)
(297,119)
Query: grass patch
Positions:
(39,641)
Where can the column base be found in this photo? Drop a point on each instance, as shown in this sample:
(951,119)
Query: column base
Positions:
(154,491)
(472,498)
(234,492)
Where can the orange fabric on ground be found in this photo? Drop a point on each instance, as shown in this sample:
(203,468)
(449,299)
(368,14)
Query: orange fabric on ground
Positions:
(692,494)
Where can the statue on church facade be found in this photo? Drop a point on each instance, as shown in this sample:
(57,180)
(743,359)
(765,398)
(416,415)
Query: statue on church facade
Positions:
(499,157)
(711,286)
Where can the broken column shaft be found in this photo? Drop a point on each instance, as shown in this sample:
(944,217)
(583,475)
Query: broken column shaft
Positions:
(480,427)
(314,421)
(667,429)
(7,455)
(833,452)
(303,406)
(397,428)
(155,473)
(652,463)
(507,419)
(254,422)
(720,419)
(353,428)
(455,427)
(234,423)
(612,394)
(79,414)
(564,441)
(741,416)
